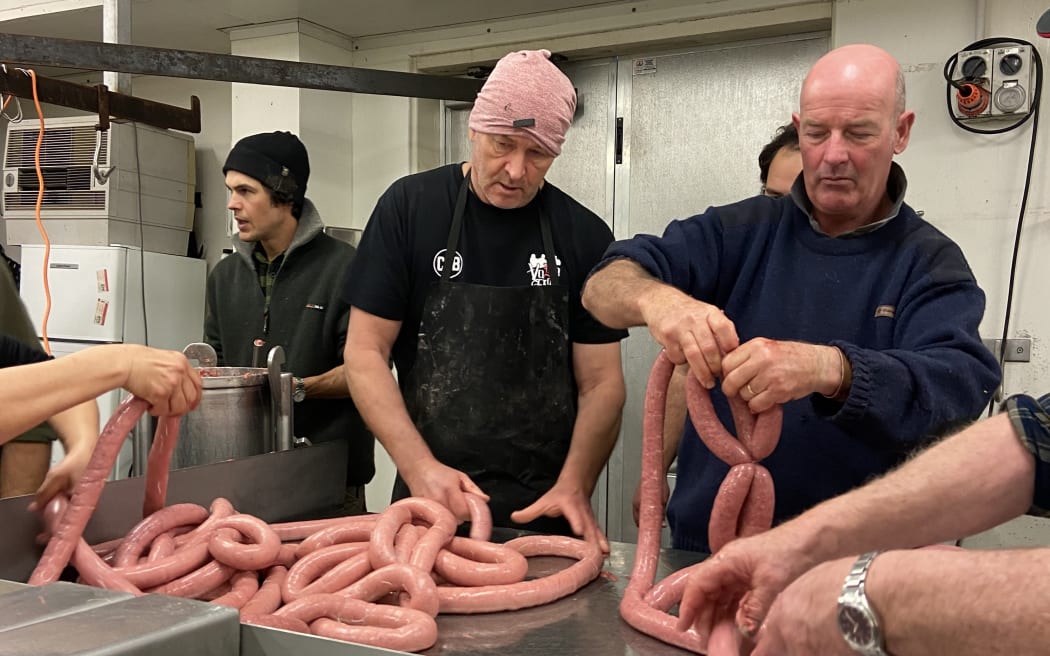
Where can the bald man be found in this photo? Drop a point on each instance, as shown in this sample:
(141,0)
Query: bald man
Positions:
(837,301)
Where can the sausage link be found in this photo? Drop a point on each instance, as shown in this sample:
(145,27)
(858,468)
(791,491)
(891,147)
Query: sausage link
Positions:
(729,503)
(709,427)
(767,432)
(292,531)
(157,572)
(469,562)
(198,582)
(335,534)
(326,570)
(142,534)
(244,586)
(493,598)
(399,628)
(397,577)
(757,513)
(480,517)
(442,527)
(268,597)
(263,551)
(158,464)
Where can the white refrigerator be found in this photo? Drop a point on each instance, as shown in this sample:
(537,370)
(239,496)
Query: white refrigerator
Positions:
(112,295)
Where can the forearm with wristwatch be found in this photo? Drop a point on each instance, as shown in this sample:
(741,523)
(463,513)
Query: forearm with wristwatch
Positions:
(298,389)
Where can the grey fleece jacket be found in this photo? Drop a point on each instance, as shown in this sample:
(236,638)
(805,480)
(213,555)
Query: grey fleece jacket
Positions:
(307,316)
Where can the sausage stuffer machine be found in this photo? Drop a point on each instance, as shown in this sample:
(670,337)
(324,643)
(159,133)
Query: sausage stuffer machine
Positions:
(306,483)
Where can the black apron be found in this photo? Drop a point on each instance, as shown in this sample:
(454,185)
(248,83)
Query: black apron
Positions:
(492,389)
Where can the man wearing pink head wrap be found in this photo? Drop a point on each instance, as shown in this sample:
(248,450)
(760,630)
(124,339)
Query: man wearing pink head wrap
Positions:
(468,277)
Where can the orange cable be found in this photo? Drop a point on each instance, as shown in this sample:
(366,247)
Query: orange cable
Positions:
(39,204)
(6,100)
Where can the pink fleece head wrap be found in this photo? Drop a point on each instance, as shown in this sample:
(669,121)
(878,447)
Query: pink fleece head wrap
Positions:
(526,95)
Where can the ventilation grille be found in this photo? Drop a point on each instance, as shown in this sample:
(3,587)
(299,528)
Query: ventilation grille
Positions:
(62,146)
(66,156)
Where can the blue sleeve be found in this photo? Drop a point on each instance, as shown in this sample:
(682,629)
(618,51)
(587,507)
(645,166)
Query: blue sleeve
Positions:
(1031,421)
(687,256)
(939,376)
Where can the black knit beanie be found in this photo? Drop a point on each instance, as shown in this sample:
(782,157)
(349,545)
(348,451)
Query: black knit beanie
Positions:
(276,159)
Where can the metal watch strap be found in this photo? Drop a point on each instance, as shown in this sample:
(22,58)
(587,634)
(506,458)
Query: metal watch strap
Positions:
(854,593)
(858,574)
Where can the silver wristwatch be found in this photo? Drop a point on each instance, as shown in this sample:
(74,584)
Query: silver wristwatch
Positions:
(298,389)
(857,619)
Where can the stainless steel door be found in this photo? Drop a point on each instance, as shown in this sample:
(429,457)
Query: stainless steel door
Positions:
(693,123)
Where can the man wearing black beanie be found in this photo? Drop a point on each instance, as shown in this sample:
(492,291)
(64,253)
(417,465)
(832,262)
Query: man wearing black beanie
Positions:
(282,286)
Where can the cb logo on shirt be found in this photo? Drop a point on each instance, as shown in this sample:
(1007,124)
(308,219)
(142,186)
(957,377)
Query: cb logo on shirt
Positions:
(439,263)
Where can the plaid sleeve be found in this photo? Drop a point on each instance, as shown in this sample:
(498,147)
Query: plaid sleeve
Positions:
(1031,420)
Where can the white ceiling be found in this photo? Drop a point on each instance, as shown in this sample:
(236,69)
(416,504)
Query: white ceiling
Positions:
(197,24)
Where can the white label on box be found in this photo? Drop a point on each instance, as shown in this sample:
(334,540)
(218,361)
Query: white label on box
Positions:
(101,308)
(102,278)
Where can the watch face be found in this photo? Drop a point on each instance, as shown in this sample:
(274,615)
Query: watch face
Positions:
(856,625)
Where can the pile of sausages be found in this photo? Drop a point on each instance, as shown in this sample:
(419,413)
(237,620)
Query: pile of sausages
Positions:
(743,505)
(378,579)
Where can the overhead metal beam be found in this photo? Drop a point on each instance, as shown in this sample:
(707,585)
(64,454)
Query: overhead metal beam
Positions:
(100,100)
(142,60)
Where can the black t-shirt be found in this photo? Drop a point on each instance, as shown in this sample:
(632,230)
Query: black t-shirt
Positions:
(401,253)
(14,352)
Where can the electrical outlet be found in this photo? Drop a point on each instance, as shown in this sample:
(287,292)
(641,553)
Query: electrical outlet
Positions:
(1017,350)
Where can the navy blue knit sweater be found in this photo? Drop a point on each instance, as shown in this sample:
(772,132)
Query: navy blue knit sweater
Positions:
(900,301)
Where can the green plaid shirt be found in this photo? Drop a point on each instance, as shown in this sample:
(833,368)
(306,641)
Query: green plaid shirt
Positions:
(1031,419)
(266,270)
